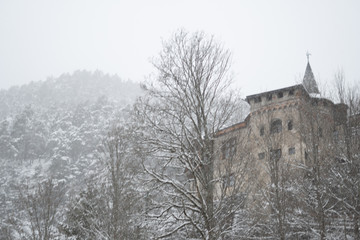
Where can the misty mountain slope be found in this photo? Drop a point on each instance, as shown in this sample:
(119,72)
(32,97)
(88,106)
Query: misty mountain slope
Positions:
(68,90)
(53,129)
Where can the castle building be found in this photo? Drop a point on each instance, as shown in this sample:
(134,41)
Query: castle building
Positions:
(292,124)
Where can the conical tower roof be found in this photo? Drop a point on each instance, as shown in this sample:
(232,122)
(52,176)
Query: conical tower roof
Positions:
(309,80)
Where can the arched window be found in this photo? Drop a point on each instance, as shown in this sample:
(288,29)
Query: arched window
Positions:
(276,126)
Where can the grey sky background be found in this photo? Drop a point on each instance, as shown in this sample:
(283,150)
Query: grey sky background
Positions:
(268,38)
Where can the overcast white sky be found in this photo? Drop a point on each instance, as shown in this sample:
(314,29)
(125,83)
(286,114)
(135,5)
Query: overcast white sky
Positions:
(268,38)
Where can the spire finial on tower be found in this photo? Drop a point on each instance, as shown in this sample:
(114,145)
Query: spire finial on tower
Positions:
(309,80)
(308,55)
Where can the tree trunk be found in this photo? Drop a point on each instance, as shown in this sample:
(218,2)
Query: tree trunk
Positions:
(210,192)
(356,226)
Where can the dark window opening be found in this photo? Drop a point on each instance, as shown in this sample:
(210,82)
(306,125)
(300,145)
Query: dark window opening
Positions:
(336,135)
(340,160)
(262,131)
(306,156)
(269,97)
(320,132)
(261,155)
(314,102)
(257,99)
(275,154)
(290,125)
(229,180)
(280,94)
(291,92)
(276,126)
(355,131)
(291,151)
(229,148)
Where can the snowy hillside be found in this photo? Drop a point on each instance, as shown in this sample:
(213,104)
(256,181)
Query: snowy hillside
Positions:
(68,90)
(52,130)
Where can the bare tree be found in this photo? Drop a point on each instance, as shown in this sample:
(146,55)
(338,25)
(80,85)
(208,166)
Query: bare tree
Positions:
(40,205)
(345,92)
(316,134)
(345,171)
(110,206)
(120,158)
(186,105)
(340,85)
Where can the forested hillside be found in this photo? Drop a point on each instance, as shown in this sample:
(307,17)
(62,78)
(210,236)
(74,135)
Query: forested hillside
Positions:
(68,90)
(50,135)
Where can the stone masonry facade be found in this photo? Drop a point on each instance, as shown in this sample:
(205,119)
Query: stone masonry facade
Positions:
(292,124)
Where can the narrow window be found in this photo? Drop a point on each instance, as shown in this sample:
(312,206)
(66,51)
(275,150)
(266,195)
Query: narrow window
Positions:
(320,132)
(291,151)
(229,148)
(275,154)
(229,180)
(261,155)
(306,155)
(280,94)
(355,131)
(290,125)
(336,136)
(269,97)
(291,92)
(276,126)
(262,131)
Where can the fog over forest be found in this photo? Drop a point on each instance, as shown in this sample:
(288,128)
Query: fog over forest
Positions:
(52,129)
(88,155)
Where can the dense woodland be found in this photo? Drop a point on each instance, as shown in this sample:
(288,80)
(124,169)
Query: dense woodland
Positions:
(51,137)
(90,156)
